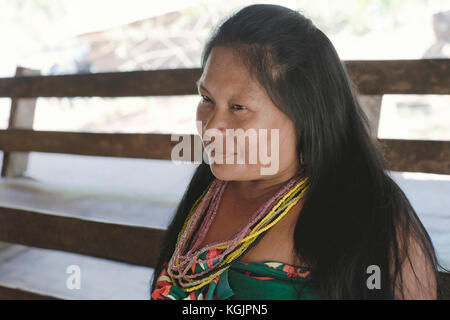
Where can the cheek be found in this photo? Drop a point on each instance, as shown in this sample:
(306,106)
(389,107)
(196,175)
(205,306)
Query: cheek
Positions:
(288,143)
(201,118)
(285,141)
(287,135)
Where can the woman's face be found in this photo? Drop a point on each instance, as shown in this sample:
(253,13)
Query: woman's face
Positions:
(231,99)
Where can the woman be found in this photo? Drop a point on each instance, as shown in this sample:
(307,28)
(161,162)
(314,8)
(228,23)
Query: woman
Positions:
(329,223)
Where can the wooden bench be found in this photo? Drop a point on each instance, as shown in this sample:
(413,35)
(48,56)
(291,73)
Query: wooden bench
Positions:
(137,245)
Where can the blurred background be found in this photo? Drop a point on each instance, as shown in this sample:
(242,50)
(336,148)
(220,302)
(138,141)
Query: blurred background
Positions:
(80,36)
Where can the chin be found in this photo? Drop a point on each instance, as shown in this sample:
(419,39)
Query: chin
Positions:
(236,172)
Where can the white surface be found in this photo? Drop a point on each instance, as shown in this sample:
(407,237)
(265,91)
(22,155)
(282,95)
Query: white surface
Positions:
(44,271)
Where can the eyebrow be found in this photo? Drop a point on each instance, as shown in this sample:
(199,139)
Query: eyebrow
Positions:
(200,85)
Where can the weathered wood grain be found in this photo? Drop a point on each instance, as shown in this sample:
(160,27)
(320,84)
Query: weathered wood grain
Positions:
(128,145)
(132,244)
(21,117)
(402,155)
(19,294)
(424,76)
(371,77)
(168,82)
(417,155)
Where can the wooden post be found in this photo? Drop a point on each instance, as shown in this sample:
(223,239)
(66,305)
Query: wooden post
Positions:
(371,104)
(21,117)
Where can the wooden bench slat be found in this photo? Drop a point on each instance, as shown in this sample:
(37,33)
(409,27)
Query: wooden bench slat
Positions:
(169,82)
(7,293)
(402,155)
(131,244)
(417,155)
(424,76)
(128,145)
(371,77)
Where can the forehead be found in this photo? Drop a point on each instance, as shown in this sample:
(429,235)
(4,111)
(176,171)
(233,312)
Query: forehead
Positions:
(224,73)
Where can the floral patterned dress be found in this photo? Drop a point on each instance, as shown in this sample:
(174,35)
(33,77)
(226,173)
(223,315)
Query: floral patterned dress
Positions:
(266,280)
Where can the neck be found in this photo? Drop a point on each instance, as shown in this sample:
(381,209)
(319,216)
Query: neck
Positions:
(260,189)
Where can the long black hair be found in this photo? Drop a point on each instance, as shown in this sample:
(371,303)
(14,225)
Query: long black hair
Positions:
(354,215)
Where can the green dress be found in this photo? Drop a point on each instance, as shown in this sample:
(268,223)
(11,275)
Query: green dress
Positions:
(244,281)
(270,281)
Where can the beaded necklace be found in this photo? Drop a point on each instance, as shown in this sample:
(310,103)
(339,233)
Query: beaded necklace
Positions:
(182,264)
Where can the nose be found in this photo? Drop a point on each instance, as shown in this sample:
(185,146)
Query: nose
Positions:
(215,120)
(214,124)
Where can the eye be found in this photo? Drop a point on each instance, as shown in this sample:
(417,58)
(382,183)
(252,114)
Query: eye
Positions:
(238,107)
(205,98)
